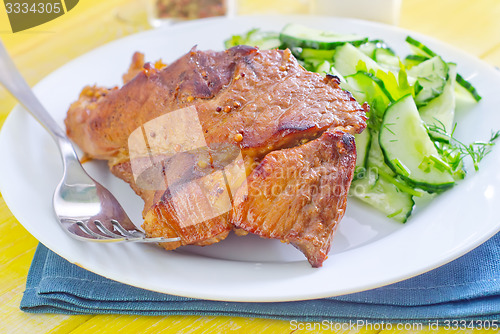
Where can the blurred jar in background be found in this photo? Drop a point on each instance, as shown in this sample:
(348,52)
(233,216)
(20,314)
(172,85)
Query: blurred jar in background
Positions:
(169,11)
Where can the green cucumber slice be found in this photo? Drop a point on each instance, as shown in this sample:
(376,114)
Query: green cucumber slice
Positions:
(431,77)
(369,47)
(312,64)
(387,59)
(376,165)
(264,40)
(347,58)
(325,67)
(308,53)
(413,60)
(440,112)
(357,84)
(297,35)
(409,151)
(419,49)
(384,196)
(363,140)
(376,158)
(367,88)
(463,86)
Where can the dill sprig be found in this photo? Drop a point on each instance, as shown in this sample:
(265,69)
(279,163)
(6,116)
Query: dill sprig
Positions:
(455,151)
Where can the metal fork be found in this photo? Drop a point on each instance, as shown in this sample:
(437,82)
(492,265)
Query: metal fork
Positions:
(85,209)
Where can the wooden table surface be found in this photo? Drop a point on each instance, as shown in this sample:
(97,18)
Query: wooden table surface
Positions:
(473,26)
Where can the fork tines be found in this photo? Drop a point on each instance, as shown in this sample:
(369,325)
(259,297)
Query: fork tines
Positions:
(119,233)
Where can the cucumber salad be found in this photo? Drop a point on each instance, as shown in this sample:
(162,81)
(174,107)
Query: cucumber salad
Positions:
(408,150)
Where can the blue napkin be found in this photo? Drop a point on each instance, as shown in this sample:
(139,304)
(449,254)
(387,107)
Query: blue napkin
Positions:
(467,288)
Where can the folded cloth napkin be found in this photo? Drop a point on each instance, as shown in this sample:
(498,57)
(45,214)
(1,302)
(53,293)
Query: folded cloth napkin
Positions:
(467,288)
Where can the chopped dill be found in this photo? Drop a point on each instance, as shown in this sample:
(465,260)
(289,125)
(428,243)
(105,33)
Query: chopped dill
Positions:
(455,151)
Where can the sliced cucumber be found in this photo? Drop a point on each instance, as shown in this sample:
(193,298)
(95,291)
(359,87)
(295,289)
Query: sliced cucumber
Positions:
(267,43)
(384,196)
(296,35)
(413,60)
(312,64)
(419,48)
(325,67)
(431,77)
(262,39)
(347,58)
(356,84)
(367,88)
(297,52)
(376,164)
(387,59)
(308,53)
(466,88)
(334,72)
(464,100)
(363,140)
(463,86)
(376,159)
(409,151)
(440,112)
(368,48)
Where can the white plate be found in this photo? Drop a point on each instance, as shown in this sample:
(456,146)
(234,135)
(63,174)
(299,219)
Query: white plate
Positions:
(368,251)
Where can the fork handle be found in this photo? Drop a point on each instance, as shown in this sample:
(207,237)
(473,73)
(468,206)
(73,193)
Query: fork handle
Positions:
(17,86)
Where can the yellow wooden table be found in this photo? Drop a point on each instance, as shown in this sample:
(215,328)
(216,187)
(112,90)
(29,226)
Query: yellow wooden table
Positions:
(473,26)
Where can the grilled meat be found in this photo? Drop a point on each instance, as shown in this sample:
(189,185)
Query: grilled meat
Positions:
(299,195)
(248,108)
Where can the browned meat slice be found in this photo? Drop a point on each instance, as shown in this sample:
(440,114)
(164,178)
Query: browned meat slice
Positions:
(137,65)
(177,211)
(256,101)
(265,96)
(298,195)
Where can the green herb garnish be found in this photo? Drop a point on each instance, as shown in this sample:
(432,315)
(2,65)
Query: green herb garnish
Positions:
(455,151)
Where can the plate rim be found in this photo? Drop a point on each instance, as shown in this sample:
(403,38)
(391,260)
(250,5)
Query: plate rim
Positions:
(299,296)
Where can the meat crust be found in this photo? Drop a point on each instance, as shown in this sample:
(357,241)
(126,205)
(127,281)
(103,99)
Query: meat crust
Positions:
(264,95)
(253,108)
(298,195)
